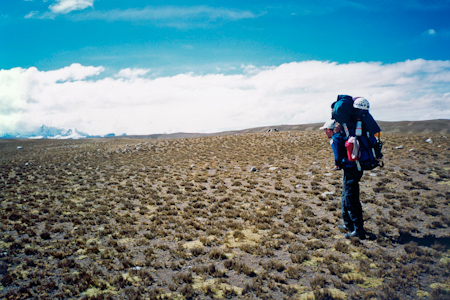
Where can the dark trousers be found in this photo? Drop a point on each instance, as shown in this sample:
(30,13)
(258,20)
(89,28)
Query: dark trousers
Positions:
(350,204)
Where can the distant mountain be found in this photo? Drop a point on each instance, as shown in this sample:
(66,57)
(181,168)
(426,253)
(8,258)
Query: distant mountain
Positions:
(439,126)
(46,132)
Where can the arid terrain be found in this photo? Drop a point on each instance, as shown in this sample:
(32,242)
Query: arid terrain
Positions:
(250,216)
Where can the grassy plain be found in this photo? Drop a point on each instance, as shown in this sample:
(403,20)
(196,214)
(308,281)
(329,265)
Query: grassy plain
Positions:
(251,216)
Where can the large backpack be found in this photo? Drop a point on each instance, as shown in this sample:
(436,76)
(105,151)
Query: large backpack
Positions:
(368,152)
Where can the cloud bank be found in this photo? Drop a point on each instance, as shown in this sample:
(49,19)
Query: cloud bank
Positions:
(133,101)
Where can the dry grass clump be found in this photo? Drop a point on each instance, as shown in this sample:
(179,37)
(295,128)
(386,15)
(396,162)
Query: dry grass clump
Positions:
(250,216)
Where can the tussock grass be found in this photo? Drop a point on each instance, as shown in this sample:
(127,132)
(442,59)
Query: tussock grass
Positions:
(189,218)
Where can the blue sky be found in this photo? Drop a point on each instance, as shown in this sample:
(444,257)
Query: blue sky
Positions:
(134,44)
(208,34)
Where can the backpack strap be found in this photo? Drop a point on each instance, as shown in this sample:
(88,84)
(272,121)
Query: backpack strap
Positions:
(372,148)
(346,129)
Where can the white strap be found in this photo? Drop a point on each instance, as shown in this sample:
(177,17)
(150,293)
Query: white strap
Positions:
(346,129)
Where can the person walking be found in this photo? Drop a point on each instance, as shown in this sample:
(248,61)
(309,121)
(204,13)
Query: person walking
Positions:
(352,213)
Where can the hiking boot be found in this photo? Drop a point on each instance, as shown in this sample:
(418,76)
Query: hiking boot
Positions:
(344,227)
(360,235)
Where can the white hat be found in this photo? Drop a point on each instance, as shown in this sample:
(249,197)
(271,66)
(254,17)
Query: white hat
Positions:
(328,124)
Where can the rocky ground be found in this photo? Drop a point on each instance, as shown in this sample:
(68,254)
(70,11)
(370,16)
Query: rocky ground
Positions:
(251,216)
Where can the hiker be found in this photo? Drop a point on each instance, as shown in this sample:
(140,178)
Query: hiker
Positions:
(333,131)
(350,204)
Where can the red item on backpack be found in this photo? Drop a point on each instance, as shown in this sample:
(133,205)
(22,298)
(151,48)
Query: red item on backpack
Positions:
(352,146)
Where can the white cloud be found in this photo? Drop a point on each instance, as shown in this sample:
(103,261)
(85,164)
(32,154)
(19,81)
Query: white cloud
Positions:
(173,16)
(66,6)
(166,16)
(23,92)
(60,7)
(429,32)
(132,73)
(31,14)
(293,93)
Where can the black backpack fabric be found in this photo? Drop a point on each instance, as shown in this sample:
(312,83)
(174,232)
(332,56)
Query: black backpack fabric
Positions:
(370,152)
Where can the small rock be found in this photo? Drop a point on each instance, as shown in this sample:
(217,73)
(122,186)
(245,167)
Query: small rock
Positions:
(399,147)
(137,268)
(253,169)
(327,193)
(19,147)
(273,169)
(429,141)
(412,150)
(373,174)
